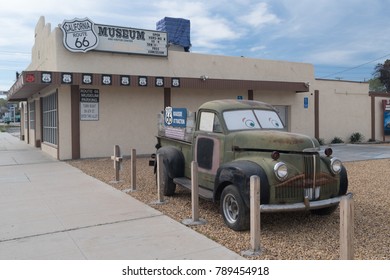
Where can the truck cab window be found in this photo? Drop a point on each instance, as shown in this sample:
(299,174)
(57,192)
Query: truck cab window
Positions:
(209,122)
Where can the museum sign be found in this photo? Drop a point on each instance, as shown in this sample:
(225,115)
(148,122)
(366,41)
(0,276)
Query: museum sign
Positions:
(82,35)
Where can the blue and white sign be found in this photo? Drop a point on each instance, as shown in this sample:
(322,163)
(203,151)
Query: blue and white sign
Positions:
(176,117)
(306,102)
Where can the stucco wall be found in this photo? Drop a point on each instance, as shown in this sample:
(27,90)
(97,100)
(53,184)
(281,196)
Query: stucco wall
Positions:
(345,108)
(127,117)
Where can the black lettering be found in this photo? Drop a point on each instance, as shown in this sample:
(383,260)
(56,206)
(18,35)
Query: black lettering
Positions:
(102,31)
(111,32)
(118,32)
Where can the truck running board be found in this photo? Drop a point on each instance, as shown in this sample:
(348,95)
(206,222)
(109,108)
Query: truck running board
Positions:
(185,182)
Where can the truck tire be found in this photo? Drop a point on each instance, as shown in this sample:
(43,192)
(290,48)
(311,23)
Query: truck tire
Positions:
(173,166)
(233,209)
(169,187)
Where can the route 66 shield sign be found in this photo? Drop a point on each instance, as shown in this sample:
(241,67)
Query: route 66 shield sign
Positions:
(79,35)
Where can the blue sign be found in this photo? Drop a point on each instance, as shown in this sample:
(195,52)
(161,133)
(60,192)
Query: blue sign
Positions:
(176,117)
(306,102)
(386,118)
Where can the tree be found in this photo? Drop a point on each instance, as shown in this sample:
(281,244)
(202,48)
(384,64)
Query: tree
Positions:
(376,85)
(382,72)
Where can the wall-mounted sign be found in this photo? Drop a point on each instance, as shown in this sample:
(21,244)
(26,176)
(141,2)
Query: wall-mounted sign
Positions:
(175,82)
(176,117)
(107,80)
(82,35)
(87,79)
(125,80)
(143,81)
(89,104)
(159,82)
(66,78)
(46,77)
(306,102)
(79,35)
(386,117)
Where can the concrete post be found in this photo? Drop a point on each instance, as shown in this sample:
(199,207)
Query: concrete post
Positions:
(194,191)
(346,228)
(194,197)
(117,162)
(254,217)
(160,180)
(133,185)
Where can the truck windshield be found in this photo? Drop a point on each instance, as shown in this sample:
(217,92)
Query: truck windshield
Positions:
(252,119)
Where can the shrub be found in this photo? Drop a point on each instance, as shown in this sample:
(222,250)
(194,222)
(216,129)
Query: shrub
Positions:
(321,141)
(356,137)
(337,140)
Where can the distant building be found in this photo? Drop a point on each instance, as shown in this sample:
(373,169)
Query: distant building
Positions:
(92,86)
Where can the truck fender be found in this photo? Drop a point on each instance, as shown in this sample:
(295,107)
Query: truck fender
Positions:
(173,159)
(238,173)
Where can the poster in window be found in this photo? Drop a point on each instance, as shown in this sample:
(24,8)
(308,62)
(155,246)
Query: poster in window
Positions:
(386,118)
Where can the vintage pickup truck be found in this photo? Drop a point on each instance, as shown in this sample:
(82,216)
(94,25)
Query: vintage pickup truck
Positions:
(231,140)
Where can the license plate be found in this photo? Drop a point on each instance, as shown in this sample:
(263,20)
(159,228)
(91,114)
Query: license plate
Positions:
(311,193)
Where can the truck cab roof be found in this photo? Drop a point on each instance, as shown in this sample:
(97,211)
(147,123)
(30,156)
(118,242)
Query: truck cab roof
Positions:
(233,104)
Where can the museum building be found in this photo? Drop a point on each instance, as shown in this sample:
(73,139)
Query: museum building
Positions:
(92,86)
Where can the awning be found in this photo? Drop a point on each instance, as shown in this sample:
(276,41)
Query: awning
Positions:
(31,82)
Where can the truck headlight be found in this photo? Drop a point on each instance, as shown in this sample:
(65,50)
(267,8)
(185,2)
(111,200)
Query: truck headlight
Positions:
(335,165)
(281,171)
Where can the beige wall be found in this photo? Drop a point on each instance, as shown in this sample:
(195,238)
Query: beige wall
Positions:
(127,117)
(345,108)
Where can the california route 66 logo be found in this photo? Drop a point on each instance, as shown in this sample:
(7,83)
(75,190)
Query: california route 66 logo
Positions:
(79,35)
(168,116)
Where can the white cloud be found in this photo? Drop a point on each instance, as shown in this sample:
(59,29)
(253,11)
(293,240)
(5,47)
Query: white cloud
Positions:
(260,16)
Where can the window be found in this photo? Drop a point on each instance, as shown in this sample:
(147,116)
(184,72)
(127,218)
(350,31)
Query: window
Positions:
(49,118)
(252,119)
(25,115)
(209,122)
(32,115)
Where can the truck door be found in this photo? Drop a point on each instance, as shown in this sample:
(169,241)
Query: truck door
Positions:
(208,148)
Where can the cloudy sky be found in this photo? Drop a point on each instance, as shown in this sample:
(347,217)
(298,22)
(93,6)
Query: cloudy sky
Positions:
(343,39)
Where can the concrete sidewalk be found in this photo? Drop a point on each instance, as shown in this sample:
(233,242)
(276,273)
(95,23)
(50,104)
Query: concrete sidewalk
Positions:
(51,210)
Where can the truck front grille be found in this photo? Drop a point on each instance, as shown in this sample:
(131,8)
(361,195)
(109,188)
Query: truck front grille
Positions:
(311,183)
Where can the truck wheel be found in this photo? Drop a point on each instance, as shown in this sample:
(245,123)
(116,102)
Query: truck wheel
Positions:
(233,209)
(169,187)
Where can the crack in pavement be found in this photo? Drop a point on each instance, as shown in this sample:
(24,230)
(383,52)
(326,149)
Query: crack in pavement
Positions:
(77,228)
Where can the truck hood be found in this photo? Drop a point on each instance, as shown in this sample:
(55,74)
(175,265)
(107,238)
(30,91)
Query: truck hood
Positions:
(274,140)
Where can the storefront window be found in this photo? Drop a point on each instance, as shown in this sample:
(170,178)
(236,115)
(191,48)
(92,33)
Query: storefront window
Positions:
(49,118)
(32,115)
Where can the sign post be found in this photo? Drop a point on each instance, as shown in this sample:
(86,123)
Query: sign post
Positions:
(117,163)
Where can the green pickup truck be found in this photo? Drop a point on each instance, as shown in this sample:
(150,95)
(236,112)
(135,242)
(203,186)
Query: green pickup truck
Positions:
(231,140)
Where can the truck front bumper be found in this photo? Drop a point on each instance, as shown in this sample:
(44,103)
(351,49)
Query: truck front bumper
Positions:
(306,205)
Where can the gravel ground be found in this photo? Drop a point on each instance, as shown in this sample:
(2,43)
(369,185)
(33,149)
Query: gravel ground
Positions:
(296,236)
